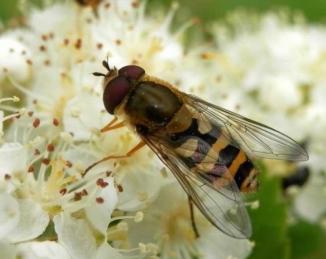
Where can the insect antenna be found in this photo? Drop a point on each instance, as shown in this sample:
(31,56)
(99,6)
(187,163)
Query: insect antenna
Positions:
(98,74)
(106,65)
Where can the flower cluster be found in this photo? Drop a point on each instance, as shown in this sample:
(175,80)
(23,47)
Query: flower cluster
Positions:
(49,208)
(277,62)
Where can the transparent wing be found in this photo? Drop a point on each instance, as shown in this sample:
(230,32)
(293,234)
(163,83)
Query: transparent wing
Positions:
(206,163)
(223,207)
(254,138)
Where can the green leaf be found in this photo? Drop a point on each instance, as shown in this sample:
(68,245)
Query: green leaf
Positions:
(210,10)
(269,221)
(307,241)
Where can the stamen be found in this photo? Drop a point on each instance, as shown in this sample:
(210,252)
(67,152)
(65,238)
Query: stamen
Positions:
(142,196)
(14,99)
(233,211)
(148,249)
(292,191)
(55,122)
(75,112)
(122,226)
(67,137)
(32,143)
(99,200)
(31,169)
(168,19)
(252,243)
(181,30)
(253,205)
(139,217)
(21,112)
(14,115)
(36,122)
(95,131)
(28,92)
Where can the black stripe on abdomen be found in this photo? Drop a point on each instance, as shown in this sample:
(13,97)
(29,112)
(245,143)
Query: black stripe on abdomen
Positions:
(243,172)
(227,155)
(203,147)
(209,137)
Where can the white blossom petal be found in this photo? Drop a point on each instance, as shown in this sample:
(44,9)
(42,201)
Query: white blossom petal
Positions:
(79,115)
(13,57)
(310,201)
(58,17)
(32,222)
(139,189)
(279,93)
(76,236)
(105,251)
(42,250)
(13,159)
(99,214)
(226,246)
(7,250)
(9,214)
(168,222)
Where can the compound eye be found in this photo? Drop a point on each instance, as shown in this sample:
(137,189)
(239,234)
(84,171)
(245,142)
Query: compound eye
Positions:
(131,72)
(114,93)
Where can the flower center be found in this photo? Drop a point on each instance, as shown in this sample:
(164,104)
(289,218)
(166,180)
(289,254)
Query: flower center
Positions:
(179,225)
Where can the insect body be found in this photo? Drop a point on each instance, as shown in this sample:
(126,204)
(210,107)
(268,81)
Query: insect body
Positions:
(205,146)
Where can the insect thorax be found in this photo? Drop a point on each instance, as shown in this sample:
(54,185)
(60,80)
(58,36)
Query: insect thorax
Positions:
(152,105)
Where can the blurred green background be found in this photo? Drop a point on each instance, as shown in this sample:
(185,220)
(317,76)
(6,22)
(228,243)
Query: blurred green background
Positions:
(314,10)
(274,238)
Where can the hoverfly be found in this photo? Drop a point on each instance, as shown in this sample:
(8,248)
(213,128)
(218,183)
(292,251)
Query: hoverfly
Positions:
(205,146)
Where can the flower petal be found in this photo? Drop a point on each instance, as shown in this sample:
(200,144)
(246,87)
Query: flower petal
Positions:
(99,214)
(32,222)
(228,247)
(7,250)
(75,235)
(13,56)
(42,250)
(105,251)
(79,115)
(138,189)
(9,214)
(310,201)
(13,157)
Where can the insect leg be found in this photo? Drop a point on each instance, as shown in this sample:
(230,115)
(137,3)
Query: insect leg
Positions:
(192,217)
(129,154)
(111,125)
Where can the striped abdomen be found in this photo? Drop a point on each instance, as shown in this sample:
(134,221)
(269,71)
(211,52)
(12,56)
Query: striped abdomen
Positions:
(213,157)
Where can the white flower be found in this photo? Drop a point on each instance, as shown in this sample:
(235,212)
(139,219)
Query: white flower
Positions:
(276,65)
(15,54)
(53,139)
(37,250)
(168,223)
(30,201)
(9,214)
